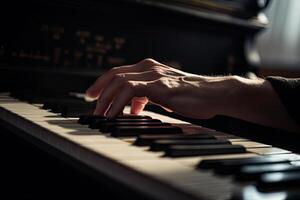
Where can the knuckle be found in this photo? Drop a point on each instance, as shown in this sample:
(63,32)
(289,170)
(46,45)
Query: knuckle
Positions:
(129,85)
(119,80)
(114,70)
(157,71)
(163,81)
(148,62)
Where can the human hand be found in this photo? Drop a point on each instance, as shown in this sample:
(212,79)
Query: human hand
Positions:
(184,93)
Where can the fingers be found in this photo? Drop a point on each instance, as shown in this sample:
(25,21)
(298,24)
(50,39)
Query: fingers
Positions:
(119,81)
(118,86)
(125,95)
(95,90)
(107,96)
(138,104)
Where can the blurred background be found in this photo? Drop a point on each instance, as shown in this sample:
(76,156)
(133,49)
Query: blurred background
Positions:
(71,42)
(279,44)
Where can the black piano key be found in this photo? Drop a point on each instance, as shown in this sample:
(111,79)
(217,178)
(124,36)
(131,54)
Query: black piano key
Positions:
(33,96)
(161,145)
(254,172)
(131,116)
(68,111)
(228,166)
(109,126)
(75,113)
(198,150)
(279,181)
(124,131)
(147,140)
(97,123)
(54,103)
(47,105)
(87,119)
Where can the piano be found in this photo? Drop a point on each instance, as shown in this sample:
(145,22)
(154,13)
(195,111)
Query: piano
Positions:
(51,51)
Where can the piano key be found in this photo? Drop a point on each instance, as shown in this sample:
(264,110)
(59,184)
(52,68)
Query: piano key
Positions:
(279,181)
(109,126)
(62,121)
(296,163)
(65,100)
(50,117)
(58,104)
(132,116)
(147,140)
(75,112)
(125,131)
(96,124)
(250,144)
(161,145)
(194,161)
(254,172)
(185,177)
(87,119)
(269,151)
(233,165)
(71,130)
(18,106)
(121,152)
(72,109)
(288,156)
(198,150)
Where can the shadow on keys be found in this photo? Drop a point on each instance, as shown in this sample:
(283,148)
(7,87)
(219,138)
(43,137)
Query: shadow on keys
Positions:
(29,173)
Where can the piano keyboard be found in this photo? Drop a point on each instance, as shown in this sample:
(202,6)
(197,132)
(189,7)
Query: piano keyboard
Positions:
(162,157)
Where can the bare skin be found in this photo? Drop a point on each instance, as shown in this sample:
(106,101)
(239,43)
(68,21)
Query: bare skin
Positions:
(199,97)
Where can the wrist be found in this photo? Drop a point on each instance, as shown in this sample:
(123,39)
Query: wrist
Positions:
(243,95)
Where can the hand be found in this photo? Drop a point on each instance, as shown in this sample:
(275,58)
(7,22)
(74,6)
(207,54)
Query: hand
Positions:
(190,95)
(184,93)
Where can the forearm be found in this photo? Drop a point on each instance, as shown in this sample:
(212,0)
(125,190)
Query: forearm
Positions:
(256,101)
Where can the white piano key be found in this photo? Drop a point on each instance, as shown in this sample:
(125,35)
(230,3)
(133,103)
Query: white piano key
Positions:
(180,176)
(251,144)
(268,151)
(288,156)
(122,152)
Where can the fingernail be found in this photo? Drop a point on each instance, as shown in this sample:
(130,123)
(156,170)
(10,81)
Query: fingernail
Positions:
(89,99)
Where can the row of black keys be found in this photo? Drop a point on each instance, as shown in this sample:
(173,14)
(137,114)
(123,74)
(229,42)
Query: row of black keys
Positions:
(268,172)
(161,136)
(260,169)
(129,125)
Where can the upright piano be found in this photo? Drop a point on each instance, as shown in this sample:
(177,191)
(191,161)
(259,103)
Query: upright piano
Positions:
(51,51)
